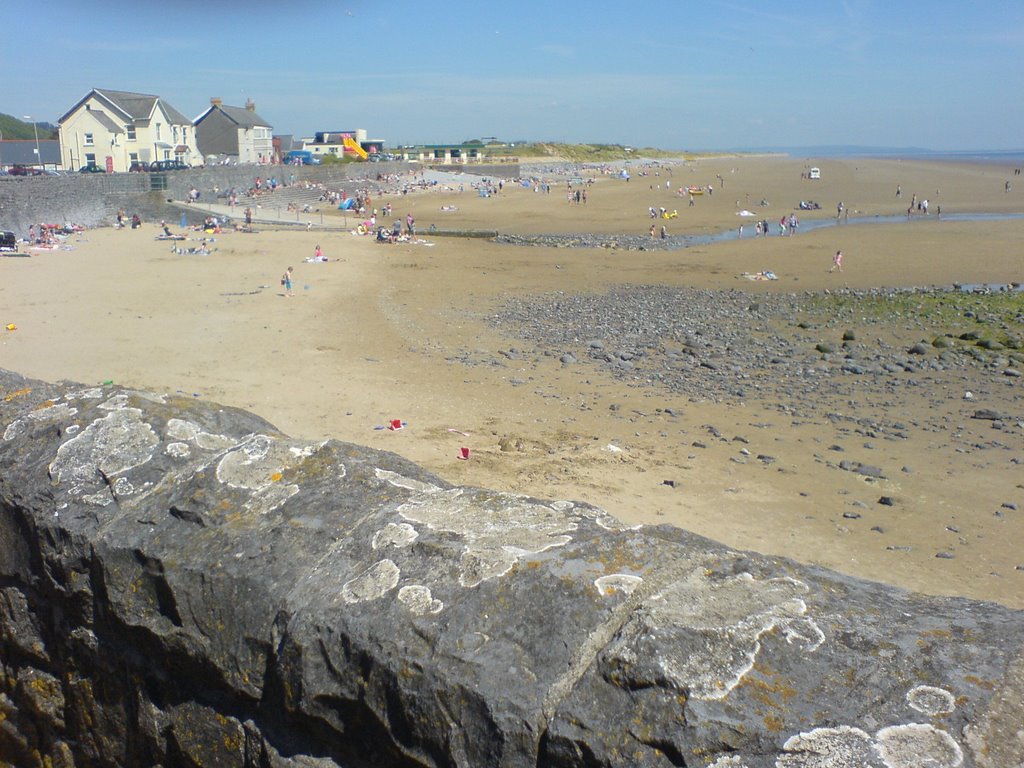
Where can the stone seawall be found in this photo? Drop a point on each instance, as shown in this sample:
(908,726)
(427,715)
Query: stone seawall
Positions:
(182,585)
(94,199)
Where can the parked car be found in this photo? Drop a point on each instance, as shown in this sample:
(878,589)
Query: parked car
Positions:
(92,168)
(22,170)
(168,165)
(138,167)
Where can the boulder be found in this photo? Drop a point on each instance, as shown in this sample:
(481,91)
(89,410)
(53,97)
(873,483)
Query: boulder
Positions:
(181,584)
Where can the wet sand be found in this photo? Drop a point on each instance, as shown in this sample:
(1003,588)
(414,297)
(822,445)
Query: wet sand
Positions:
(383,332)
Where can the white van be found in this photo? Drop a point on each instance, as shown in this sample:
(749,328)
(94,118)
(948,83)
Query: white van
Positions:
(814,173)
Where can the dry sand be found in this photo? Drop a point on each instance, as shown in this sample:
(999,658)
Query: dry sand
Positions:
(368,338)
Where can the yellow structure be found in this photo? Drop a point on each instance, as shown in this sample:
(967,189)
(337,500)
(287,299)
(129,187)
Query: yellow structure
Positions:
(350,144)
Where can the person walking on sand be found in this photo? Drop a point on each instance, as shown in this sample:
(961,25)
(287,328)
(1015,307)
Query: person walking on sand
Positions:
(286,281)
(837,262)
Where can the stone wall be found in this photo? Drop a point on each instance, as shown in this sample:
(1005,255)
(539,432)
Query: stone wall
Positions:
(93,199)
(182,585)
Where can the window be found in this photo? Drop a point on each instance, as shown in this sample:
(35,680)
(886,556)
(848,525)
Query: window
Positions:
(157,129)
(133,157)
(184,135)
(90,158)
(175,132)
(130,130)
(88,140)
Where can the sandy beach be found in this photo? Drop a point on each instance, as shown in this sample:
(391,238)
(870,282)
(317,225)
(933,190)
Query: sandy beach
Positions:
(406,331)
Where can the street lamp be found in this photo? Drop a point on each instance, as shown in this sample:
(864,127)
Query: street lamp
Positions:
(35,129)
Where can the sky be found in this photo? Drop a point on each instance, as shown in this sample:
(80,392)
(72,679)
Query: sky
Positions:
(683,75)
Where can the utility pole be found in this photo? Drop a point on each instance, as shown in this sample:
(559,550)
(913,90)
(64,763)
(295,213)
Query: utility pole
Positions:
(35,129)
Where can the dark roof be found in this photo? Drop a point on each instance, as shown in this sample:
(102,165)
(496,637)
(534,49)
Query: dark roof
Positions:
(132,106)
(241,116)
(20,152)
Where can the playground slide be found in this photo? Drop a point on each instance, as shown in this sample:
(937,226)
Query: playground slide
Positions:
(351,144)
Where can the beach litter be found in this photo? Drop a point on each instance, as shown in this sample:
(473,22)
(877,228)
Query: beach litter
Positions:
(12,327)
(458,432)
(464,453)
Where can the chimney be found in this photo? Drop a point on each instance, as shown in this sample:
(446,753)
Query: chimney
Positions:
(216,101)
(250,105)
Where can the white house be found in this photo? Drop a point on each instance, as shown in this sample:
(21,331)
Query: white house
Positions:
(114,129)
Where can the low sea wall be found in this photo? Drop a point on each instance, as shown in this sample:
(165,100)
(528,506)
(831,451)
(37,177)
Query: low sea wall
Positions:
(94,199)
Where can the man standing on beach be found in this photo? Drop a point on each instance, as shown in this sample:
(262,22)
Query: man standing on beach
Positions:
(410,226)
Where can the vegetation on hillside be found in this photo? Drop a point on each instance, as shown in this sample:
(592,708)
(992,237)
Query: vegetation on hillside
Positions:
(13,128)
(590,153)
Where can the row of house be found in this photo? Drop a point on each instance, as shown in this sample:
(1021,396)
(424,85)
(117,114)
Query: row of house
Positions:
(119,130)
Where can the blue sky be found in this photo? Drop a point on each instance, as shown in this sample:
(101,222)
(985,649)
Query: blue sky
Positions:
(677,75)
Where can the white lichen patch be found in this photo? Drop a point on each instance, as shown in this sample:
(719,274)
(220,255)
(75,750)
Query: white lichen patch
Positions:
(497,529)
(123,487)
(53,414)
(401,481)
(253,463)
(704,634)
(911,745)
(305,451)
(732,761)
(144,394)
(101,499)
(115,403)
(394,535)
(178,450)
(617,584)
(840,747)
(931,700)
(182,430)
(914,745)
(268,498)
(92,393)
(110,446)
(373,583)
(419,600)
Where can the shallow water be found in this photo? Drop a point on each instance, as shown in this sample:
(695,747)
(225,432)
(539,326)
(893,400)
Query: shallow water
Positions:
(812,224)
